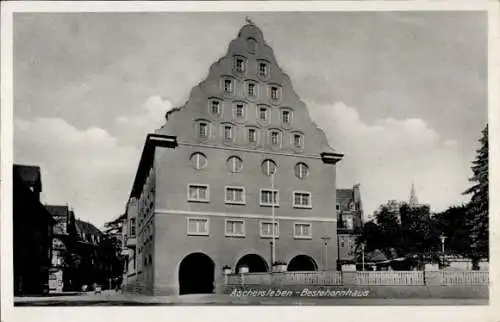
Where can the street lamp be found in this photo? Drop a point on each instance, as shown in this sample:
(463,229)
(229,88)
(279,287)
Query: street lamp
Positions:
(325,240)
(443,238)
(363,255)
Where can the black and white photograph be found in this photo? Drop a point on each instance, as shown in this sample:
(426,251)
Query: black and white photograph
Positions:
(247,157)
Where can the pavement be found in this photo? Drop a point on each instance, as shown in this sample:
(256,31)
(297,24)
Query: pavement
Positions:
(116,299)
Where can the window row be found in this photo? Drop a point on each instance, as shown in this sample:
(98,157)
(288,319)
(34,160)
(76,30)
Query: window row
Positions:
(235,164)
(197,226)
(253,135)
(237,196)
(240,111)
(241,66)
(251,89)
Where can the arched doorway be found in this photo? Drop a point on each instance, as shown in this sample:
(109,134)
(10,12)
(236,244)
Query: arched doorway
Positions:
(196,274)
(302,263)
(255,263)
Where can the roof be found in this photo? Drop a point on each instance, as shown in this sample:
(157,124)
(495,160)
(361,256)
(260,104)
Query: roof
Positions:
(87,228)
(29,174)
(57,211)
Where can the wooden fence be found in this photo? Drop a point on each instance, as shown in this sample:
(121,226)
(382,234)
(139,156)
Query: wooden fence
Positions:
(329,278)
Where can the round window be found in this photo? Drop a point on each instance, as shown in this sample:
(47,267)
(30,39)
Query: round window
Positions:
(301,170)
(198,160)
(234,164)
(269,167)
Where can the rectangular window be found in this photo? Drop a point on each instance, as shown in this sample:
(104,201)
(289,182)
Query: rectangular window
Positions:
(285,117)
(197,226)
(239,111)
(297,140)
(263,69)
(235,195)
(228,133)
(203,130)
(266,229)
(235,227)
(251,89)
(302,230)
(302,200)
(198,192)
(275,93)
(263,114)
(215,107)
(252,136)
(228,86)
(269,197)
(275,138)
(240,65)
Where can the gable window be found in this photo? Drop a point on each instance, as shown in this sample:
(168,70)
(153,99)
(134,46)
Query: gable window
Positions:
(239,64)
(235,195)
(251,90)
(252,45)
(203,130)
(132,227)
(197,226)
(302,199)
(252,136)
(301,170)
(228,133)
(286,117)
(215,107)
(269,197)
(234,164)
(235,228)
(268,167)
(228,86)
(198,192)
(302,230)
(275,93)
(263,70)
(198,160)
(298,140)
(275,137)
(266,229)
(263,114)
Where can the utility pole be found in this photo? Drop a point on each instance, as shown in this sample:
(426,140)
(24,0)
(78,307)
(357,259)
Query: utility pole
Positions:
(274,219)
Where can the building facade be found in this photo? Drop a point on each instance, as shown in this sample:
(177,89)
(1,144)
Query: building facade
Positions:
(32,233)
(237,177)
(350,222)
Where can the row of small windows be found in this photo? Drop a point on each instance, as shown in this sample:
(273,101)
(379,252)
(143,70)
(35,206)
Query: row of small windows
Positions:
(275,136)
(240,65)
(252,89)
(237,196)
(235,164)
(236,228)
(239,111)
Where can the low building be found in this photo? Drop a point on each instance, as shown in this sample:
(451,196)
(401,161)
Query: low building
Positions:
(32,226)
(349,224)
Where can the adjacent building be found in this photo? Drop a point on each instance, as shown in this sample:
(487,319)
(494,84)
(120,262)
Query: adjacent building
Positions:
(32,225)
(237,177)
(350,222)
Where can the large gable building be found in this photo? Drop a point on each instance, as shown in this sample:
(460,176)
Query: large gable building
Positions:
(240,155)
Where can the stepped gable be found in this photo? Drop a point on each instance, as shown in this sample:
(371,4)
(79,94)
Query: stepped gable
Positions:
(251,46)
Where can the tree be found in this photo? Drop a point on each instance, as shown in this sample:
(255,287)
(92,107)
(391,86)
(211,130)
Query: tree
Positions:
(452,223)
(477,209)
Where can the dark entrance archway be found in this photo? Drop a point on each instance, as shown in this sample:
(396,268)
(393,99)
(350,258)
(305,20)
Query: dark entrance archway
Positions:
(255,263)
(302,263)
(196,274)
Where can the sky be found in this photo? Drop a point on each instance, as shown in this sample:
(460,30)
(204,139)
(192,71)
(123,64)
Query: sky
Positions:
(402,94)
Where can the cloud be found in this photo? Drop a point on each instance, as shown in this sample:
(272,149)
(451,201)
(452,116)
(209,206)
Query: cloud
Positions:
(86,168)
(387,156)
(151,116)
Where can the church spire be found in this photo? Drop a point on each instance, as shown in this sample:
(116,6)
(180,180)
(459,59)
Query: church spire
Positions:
(413,196)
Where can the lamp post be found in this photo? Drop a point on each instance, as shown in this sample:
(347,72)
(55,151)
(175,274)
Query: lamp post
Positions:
(443,238)
(325,241)
(363,256)
(273,256)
